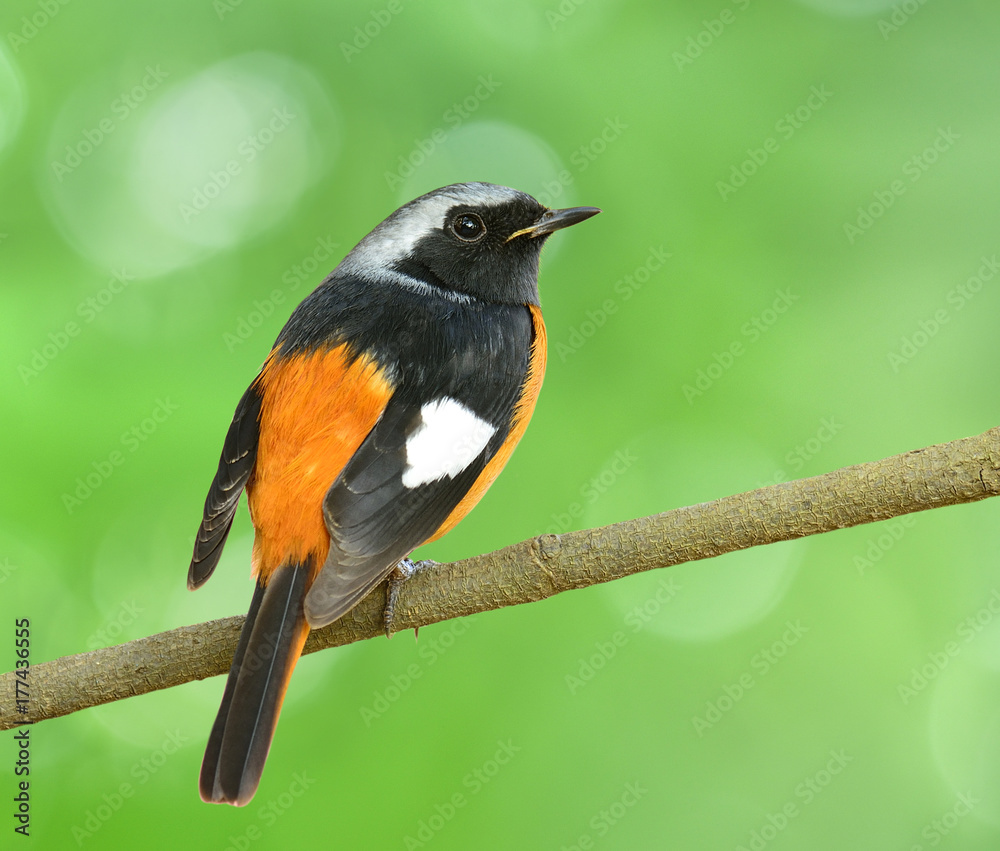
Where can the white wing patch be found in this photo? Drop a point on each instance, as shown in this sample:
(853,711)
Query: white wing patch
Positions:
(448,439)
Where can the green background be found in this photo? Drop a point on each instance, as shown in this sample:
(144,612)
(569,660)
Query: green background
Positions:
(766,699)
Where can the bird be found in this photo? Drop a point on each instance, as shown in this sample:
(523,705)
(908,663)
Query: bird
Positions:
(390,401)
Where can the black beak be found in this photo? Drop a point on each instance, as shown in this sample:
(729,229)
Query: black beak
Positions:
(553,220)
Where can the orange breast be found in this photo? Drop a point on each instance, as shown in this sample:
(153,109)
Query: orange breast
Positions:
(316,411)
(522,415)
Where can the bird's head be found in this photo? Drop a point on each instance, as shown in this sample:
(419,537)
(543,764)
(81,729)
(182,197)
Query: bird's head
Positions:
(470,239)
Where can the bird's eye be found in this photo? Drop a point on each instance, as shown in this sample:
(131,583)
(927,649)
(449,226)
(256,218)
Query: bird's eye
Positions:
(468,227)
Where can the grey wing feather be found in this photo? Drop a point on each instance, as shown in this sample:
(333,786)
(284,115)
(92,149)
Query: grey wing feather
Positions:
(239,454)
(375,521)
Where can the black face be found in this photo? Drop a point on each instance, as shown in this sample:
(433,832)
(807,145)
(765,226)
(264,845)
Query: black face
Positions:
(473,252)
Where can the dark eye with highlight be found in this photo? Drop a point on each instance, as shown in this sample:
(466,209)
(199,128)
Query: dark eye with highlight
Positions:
(468,227)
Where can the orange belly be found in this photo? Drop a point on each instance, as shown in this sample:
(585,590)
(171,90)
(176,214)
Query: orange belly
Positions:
(316,410)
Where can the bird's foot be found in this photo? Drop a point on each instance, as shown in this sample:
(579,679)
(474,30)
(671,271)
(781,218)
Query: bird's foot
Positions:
(400,574)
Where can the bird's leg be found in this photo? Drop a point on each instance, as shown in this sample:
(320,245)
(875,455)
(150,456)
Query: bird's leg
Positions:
(400,574)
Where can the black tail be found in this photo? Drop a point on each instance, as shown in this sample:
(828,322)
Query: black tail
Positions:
(269,647)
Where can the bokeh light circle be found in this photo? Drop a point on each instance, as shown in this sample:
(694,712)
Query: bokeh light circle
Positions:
(963,679)
(700,601)
(492,151)
(172,170)
(13,100)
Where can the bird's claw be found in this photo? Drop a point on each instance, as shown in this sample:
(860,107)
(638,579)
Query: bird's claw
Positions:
(400,574)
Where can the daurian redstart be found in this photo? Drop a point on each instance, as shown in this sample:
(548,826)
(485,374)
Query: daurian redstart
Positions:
(390,402)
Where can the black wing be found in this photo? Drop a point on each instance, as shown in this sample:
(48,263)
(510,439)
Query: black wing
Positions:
(239,452)
(478,359)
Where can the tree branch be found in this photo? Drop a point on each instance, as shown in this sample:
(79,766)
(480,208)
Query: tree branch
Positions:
(947,474)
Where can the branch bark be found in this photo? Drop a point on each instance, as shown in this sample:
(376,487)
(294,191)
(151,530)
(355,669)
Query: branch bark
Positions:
(946,474)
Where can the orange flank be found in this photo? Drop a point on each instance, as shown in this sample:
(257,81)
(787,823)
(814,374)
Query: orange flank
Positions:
(317,409)
(522,415)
